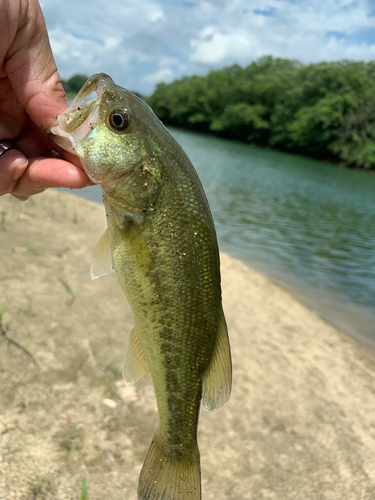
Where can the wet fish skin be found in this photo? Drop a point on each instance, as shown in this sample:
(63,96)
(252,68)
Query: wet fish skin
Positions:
(164,249)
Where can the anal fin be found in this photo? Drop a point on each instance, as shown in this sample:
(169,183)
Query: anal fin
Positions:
(217,380)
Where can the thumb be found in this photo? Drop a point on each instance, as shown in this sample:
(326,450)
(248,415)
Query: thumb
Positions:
(31,67)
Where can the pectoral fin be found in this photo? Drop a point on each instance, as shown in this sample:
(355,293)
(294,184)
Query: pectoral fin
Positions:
(102,260)
(217,381)
(135,364)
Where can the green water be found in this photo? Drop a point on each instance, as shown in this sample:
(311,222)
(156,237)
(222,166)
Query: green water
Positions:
(307,224)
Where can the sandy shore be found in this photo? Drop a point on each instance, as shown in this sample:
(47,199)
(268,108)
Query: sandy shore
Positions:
(300,423)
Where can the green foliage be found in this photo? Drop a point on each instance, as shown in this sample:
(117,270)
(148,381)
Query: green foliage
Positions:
(66,286)
(74,84)
(5,429)
(325,109)
(355,139)
(84,488)
(314,126)
(243,120)
(67,289)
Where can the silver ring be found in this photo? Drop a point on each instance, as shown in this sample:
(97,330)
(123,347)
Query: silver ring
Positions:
(5,145)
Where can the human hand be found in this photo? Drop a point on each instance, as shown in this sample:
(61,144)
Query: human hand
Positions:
(31,95)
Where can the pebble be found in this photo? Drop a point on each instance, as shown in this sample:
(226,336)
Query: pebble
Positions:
(110,403)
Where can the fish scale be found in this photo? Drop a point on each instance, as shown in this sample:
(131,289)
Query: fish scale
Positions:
(162,242)
(189,326)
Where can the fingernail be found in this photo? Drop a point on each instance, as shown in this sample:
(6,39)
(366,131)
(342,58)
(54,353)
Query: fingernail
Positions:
(19,168)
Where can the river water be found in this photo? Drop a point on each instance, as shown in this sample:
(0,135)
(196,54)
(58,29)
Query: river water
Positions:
(308,225)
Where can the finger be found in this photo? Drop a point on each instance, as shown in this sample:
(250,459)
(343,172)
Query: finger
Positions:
(43,173)
(29,140)
(33,144)
(12,115)
(13,165)
(67,156)
(32,70)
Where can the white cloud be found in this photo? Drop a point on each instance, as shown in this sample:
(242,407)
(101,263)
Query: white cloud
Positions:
(215,47)
(168,61)
(298,30)
(141,43)
(163,75)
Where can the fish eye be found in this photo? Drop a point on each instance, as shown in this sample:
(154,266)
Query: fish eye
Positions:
(119,119)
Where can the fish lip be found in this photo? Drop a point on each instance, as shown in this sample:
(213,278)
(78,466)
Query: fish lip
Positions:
(86,104)
(61,138)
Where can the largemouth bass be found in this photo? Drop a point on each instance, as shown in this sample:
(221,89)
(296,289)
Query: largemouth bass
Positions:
(162,243)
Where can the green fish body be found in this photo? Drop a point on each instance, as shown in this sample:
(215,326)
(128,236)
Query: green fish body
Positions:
(162,243)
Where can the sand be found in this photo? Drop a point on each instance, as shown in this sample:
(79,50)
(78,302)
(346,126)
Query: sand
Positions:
(300,423)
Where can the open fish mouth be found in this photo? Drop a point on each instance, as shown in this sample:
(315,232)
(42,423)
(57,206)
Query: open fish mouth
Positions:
(80,120)
(82,116)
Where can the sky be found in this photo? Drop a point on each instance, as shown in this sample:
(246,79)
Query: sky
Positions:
(141,43)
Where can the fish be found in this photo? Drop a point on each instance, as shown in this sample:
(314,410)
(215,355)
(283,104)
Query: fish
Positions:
(162,243)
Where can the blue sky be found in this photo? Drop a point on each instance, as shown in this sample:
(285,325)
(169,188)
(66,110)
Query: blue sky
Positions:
(141,43)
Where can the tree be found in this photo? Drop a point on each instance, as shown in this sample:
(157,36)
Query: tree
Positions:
(324,109)
(74,84)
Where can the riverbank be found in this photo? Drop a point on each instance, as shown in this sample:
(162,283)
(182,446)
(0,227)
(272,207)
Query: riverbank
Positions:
(303,223)
(299,424)
(279,103)
(329,160)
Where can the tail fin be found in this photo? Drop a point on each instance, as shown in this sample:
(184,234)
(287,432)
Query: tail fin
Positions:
(165,478)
